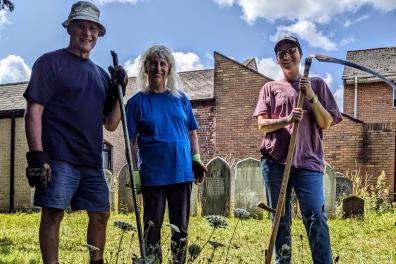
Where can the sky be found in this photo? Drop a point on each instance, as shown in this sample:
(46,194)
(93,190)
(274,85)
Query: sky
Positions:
(194,29)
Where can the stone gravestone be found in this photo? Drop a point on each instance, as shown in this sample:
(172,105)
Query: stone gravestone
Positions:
(329,188)
(216,189)
(193,201)
(249,187)
(125,193)
(112,183)
(353,207)
(343,187)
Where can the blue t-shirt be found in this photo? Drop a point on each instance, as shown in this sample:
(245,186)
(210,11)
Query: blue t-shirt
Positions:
(73,92)
(162,123)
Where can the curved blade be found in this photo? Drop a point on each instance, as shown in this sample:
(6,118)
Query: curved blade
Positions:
(325,58)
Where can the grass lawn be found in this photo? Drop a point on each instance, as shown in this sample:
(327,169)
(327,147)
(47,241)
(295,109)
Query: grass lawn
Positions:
(370,241)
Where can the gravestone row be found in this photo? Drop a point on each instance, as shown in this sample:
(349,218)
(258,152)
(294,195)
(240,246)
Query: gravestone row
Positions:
(225,189)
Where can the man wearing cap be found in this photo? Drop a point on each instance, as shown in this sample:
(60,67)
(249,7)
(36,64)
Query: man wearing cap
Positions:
(69,100)
(276,112)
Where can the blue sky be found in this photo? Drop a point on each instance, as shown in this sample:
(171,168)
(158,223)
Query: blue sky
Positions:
(193,29)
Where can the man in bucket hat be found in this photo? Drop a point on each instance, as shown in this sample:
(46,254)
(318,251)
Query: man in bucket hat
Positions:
(69,100)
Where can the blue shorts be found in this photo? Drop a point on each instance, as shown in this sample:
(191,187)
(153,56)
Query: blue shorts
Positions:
(80,187)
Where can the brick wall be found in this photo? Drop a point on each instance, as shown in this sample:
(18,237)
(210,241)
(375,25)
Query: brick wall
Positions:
(23,192)
(5,142)
(342,144)
(374,104)
(205,112)
(236,92)
(369,147)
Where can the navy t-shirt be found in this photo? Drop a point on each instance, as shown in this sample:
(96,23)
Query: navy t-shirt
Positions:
(73,92)
(162,124)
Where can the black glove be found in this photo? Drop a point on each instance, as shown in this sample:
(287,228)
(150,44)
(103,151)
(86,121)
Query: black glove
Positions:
(38,171)
(118,76)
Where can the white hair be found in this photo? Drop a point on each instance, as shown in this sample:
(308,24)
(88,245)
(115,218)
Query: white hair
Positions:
(173,82)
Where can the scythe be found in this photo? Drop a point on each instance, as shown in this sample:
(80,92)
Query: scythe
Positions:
(279,210)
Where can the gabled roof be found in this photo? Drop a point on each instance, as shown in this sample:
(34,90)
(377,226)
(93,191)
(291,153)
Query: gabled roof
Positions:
(251,63)
(198,85)
(11,96)
(381,60)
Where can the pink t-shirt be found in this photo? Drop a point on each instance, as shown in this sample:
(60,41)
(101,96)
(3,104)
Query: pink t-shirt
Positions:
(278,98)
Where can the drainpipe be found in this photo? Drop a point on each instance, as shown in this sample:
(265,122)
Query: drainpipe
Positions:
(355,100)
(12,164)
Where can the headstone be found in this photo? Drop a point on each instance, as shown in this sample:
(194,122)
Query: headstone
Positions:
(216,189)
(125,193)
(343,187)
(112,183)
(353,207)
(329,189)
(193,201)
(249,187)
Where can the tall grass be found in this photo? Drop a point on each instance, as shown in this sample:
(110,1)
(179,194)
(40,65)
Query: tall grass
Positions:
(370,241)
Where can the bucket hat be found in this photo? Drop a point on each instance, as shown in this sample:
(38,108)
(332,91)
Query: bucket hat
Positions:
(85,11)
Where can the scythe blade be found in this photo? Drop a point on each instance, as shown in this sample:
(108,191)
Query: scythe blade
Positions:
(325,58)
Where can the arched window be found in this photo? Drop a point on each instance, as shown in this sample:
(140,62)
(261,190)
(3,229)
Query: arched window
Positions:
(106,156)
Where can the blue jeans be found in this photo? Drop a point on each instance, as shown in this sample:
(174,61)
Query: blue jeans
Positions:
(82,188)
(308,186)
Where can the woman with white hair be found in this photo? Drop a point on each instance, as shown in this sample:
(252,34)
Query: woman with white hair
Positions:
(162,125)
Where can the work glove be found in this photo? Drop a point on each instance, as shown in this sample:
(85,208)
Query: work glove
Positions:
(118,76)
(199,169)
(38,171)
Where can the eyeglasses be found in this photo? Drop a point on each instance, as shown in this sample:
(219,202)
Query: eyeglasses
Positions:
(290,51)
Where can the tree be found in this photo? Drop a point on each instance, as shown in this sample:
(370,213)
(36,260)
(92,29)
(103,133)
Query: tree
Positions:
(6,4)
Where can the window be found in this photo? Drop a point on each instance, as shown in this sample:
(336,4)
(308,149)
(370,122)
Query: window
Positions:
(394,98)
(106,156)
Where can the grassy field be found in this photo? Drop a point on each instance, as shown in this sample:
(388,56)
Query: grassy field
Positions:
(370,241)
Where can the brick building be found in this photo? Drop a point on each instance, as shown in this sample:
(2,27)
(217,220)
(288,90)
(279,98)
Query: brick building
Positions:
(366,138)
(223,100)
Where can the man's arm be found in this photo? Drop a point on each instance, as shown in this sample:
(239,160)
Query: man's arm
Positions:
(322,116)
(33,125)
(266,124)
(112,119)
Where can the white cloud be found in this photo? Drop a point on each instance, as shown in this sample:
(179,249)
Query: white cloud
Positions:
(328,78)
(349,22)
(269,67)
(184,62)
(131,66)
(103,2)
(209,59)
(3,19)
(307,31)
(307,13)
(319,11)
(339,97)
(14,69)
(187,61)
(347,40)
(224,2)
